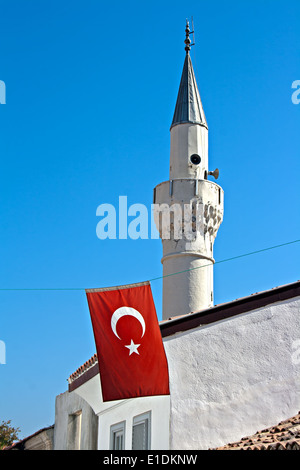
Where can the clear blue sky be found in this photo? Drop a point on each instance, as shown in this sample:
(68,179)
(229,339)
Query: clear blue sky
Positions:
(91,90)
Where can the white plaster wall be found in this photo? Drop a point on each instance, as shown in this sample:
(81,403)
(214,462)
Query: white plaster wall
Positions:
(126,410)
(110,413)
(65,405)
(234,377)
(91,392)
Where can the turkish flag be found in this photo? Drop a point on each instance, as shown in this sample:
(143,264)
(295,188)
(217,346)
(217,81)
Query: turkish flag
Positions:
(131,355)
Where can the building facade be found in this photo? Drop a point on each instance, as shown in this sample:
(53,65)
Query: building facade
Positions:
(233,368)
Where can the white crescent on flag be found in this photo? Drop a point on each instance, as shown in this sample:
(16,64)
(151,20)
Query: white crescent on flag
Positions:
(123,311)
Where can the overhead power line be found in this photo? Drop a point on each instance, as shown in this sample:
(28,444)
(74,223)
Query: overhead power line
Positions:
(155,278)
(228,259)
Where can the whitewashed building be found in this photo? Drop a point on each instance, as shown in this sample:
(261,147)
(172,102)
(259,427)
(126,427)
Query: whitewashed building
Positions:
(233,368)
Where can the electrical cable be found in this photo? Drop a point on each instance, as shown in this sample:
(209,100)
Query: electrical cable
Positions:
(155,278)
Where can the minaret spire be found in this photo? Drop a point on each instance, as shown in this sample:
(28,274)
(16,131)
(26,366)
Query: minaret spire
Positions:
(188,105)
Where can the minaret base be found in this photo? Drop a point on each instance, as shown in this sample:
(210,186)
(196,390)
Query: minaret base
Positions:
(191,289)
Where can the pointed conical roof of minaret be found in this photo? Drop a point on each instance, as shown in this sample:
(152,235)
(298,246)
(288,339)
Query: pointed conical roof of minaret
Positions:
(188,106)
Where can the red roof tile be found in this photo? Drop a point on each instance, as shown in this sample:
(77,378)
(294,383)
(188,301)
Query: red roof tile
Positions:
(283,436)
(82,369)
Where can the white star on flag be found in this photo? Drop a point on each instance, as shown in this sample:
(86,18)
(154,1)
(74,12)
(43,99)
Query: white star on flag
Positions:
(133,348)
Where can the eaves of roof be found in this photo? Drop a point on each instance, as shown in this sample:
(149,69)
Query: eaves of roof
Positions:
(20,444)
(229,309)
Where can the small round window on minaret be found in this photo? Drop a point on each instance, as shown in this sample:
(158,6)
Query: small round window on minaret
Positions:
(195,159)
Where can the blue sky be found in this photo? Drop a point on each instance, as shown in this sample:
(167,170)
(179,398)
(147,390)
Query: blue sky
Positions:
(90,94)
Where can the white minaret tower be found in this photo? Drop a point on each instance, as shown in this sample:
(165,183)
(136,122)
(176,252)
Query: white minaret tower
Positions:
(193,204)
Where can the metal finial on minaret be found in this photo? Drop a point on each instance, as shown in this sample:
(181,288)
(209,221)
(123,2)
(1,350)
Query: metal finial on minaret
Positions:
(187,38)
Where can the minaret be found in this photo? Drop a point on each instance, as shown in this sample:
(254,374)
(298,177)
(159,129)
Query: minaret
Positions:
(193,204)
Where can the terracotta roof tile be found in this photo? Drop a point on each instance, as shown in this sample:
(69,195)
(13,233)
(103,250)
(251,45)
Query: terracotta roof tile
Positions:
(283,436)
(82,369)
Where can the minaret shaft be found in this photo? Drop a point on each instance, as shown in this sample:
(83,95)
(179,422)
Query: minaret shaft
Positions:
(188,139)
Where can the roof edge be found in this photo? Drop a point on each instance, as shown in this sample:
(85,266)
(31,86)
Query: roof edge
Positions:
(202,124)
(229,309)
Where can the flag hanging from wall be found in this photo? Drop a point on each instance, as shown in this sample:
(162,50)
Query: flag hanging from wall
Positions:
(131,355)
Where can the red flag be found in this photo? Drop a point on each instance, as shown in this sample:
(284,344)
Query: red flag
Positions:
(131,355)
